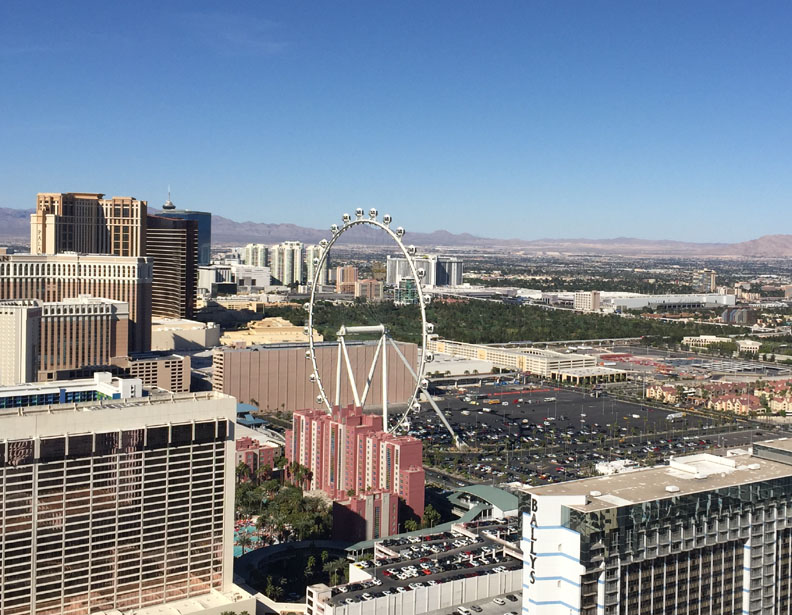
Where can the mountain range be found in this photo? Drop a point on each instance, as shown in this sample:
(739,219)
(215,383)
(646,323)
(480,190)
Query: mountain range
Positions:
(15,225)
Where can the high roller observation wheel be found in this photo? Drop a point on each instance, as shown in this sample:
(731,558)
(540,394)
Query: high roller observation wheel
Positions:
(349,223)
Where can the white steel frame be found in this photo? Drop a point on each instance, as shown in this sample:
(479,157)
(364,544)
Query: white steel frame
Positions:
(421,384)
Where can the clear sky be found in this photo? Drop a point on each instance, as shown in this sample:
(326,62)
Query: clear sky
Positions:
(504,119)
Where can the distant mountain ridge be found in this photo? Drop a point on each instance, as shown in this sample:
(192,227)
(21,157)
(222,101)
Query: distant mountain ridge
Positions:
(15,228)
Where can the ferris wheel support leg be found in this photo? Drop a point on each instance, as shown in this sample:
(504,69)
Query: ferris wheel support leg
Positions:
(371,372)
(384,342)
(457,441)
(403,358)
(338,379)
(350,374)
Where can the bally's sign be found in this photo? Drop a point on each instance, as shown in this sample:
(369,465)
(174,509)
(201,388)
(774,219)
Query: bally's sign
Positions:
(533,524)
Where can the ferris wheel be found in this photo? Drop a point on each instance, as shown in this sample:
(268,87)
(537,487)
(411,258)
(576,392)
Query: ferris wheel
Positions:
(417,372)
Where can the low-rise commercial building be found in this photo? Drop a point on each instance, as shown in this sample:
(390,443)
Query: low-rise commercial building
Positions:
(704,341)
(169,372)
(180,334)
(103,385)
(750,346)
(537,361)
(275,330)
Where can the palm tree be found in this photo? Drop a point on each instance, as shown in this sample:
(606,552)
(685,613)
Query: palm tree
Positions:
(243,471)
(245,541)
(264,473)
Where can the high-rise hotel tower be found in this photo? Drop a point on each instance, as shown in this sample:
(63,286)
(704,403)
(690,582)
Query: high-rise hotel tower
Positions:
(118,506)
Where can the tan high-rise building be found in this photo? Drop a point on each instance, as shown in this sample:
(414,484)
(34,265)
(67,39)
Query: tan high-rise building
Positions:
(172,243)
(53,278)
(346,277)
(20,323)
(61,336)
(81,332)
(88,223)
(370,290)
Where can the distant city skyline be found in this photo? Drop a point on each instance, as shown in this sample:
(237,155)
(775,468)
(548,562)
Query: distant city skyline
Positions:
(530,120)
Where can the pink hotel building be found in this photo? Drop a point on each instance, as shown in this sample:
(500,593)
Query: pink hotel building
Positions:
(348,452)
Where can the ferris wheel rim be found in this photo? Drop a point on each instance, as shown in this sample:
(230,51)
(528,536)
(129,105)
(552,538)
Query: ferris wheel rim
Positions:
(337,232)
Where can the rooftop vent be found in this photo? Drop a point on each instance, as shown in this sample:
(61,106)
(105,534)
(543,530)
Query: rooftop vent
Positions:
(672,489)
(595,494)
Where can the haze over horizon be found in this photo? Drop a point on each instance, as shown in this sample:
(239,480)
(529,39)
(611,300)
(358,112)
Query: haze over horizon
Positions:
(532,120)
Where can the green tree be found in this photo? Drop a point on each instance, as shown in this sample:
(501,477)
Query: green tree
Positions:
(310,566)
(264,473)
(245,541)
(431,516)
(334,568)
(410,525)
(243,471)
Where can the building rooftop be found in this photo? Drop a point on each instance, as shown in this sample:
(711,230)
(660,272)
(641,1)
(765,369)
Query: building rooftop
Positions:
(88,406)
(497,497)
(682,476)
(590,371)
(197,604)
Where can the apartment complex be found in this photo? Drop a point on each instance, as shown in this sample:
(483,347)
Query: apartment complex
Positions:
(118,507)
(537,361)
(53,278)
(704,281)
(255,454)
(88,223)
(703,534)
(286,263)
(275,376)
(173,246)
(438,270)
(313,255)
(350,456)
(257,255)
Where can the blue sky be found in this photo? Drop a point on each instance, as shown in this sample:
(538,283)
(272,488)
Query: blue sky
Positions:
(503,119)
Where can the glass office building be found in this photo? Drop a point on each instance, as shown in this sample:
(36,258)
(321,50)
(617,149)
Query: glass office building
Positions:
(204,221)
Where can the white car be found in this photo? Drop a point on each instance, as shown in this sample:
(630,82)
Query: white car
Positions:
(367,596)
(499,601)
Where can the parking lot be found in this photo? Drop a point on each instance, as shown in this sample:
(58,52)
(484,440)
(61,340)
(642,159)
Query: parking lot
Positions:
(539,433)
(408,563)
